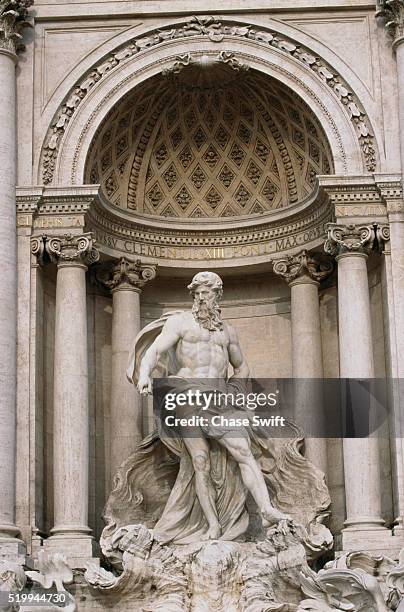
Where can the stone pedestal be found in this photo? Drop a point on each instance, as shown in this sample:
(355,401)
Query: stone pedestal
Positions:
(71,534)
(364,526)
(303,272)
(126,284)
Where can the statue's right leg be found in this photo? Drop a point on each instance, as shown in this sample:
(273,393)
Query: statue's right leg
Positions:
(198,449)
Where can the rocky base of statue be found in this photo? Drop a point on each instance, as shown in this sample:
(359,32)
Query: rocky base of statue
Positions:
(273,574)
(270,575)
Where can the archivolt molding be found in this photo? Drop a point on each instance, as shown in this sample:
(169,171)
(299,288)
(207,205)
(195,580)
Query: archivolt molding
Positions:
(215,31)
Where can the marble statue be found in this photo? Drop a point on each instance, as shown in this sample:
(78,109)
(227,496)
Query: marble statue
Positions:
(204,346)
(218,521)
(217,484)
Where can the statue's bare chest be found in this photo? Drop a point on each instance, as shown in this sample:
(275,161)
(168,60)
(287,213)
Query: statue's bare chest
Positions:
(195,334)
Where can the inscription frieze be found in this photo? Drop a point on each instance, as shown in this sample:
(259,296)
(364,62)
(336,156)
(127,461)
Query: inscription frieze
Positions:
(210,251)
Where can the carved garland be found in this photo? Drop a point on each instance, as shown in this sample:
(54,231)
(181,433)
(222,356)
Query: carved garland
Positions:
(215,31)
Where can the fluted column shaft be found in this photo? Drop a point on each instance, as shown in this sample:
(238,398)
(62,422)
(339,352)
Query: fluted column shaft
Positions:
(70,406)
(126,284)
(303,272)
(351,244)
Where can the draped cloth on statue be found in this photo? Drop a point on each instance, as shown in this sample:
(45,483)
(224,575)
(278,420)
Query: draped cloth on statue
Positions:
(156,485)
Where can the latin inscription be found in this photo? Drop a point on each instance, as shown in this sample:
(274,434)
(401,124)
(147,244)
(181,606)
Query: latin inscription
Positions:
(207,253)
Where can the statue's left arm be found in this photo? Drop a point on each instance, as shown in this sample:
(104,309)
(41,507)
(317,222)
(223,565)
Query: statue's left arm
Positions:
(236,357)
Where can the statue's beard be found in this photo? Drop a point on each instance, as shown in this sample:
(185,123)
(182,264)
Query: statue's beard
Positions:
(207,314)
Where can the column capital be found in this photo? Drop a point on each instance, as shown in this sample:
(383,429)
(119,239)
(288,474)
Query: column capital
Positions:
(303,268)
(392,12)
(66,250)
(13,20)
(349,239)
(132,275)
(38,249)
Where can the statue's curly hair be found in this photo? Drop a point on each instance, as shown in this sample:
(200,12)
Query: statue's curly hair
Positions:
(211,279)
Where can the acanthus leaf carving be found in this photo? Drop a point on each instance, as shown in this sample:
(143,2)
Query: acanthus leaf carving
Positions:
(69,249)
(392,12)
(13,20)
(349,238)
(295,267)
(126,273)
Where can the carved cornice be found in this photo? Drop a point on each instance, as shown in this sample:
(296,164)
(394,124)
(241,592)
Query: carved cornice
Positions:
(343,239)
(215,31)
(303,267)
(104,218)
(13,20)
(392,12)
(65,250)
(127,274)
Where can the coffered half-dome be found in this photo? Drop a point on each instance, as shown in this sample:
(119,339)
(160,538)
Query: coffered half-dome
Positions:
(209,142)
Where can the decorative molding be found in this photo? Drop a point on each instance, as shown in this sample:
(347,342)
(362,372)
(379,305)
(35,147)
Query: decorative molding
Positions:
(216,31)
(392,12)
(182,60)
(303,266)
(392,193)
(13,20)
(203,62)
(127,274)
(309,221)
(350,238)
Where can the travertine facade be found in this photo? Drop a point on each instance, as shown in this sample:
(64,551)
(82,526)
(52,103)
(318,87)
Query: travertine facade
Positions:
(142,142)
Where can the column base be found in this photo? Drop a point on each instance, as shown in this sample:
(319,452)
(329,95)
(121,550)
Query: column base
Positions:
(78,548)
(372,540)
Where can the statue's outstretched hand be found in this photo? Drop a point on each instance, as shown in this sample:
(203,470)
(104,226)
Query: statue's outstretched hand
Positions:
(144,385)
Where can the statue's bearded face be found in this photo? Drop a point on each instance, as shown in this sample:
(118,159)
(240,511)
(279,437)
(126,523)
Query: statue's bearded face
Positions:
(206,308)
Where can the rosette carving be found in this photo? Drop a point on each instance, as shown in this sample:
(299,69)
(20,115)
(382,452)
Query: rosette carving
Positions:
(130,274)
(68,248)
(349,238)
(13,20)
(303,264)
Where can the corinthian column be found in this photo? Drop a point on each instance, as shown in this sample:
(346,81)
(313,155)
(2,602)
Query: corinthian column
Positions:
(126,284)
(304,272)
(71,533)
(351,245)
(12,21)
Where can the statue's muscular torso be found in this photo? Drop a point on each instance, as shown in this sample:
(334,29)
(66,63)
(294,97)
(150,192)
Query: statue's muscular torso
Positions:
(201,353)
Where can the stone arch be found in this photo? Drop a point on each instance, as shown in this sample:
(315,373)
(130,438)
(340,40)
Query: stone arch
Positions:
(340,113)
(212,141)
